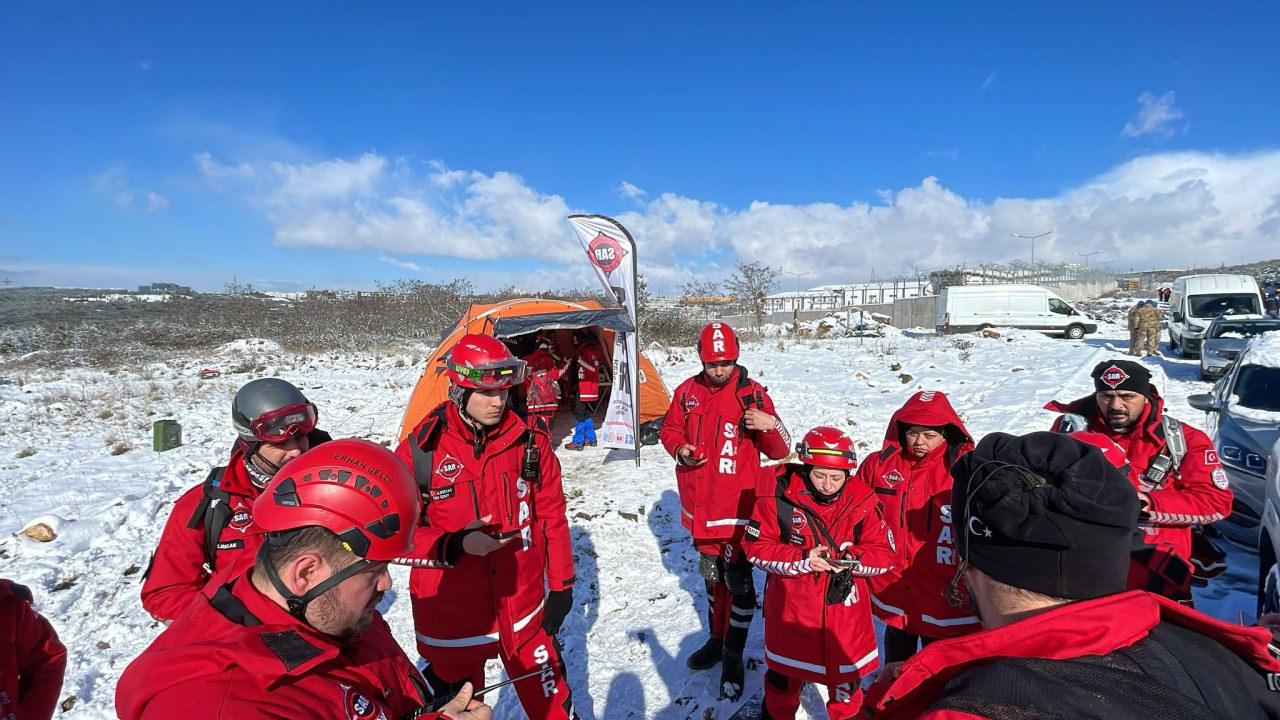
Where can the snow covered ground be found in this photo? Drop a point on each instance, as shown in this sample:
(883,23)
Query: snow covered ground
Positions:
(76,446)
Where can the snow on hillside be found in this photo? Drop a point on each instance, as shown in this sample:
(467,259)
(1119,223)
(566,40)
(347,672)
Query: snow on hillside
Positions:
(76,446)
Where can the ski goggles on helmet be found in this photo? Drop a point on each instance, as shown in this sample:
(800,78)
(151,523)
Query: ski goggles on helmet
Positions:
(279,425)
(489,377)
(817,455)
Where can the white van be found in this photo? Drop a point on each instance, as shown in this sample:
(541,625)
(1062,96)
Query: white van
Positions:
(973,307)
(1198,299)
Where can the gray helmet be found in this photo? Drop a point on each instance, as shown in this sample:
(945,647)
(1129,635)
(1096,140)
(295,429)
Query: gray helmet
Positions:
(258,398)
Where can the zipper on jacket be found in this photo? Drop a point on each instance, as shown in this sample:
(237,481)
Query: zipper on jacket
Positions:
(506,499)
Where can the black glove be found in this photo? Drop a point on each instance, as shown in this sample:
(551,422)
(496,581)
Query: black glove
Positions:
(559,603)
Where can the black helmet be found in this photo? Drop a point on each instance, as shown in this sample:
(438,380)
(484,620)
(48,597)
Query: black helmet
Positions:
(271,410)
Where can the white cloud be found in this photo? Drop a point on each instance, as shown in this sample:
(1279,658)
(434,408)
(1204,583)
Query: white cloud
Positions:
(113,182)
(402,264)
(630,192)
(144,65)
(1162,209)
(986,84)
(951,154)
(1155,116)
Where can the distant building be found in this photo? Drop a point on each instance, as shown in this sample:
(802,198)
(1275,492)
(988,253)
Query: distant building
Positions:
(164,289)
(839,297)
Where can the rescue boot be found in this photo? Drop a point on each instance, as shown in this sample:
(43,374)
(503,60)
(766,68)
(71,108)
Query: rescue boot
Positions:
(572,445)
(732,675)
(706,656)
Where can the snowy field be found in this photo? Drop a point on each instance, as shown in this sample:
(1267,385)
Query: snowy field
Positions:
(75,446)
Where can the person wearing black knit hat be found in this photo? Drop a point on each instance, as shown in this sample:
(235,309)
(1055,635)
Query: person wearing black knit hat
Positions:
(1174,468)
(1044,522)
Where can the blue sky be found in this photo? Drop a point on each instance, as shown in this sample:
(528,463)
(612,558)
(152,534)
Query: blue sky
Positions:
(338,145)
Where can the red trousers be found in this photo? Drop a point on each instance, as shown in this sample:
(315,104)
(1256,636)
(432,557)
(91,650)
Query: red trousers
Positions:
(782,697)
(544,695)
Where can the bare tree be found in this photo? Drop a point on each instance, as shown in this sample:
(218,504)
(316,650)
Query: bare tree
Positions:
(700,289)
(750,283)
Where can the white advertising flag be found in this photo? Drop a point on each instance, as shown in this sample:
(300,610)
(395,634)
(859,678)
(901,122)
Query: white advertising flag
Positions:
(612,253)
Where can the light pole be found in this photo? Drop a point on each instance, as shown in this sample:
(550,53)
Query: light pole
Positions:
(795,301)
(1033,239)
(1086,257)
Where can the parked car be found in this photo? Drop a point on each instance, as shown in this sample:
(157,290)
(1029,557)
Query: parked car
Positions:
(1226,337)
(1198,299)
(1031,307)
(1269,538)
(1244,422)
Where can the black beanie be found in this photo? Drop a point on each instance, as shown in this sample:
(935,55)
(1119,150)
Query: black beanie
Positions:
(1121,375)
(1045,512)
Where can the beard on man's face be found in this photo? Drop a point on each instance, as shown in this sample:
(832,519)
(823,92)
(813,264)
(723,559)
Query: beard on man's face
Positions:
(973,606)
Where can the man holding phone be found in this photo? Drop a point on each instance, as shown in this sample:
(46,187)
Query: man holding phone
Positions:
(493,565)
(718,424)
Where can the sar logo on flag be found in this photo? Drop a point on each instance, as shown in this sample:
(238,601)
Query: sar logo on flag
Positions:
(605,252)
(1114,376)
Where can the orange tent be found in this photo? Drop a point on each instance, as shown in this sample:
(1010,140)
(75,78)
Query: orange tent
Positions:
(523,317)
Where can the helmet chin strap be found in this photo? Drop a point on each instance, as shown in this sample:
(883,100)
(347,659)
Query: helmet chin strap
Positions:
(297,604)
(460,396)
(258,474)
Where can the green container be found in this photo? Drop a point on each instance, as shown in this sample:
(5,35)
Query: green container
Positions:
(165,435)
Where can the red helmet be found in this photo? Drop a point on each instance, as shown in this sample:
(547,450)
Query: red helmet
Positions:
(717,342)
(1110,450)
(827,447)
(483,362)
(358,489)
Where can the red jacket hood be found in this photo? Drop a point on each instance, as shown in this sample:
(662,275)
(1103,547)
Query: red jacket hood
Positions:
(1090,627)
(929,408)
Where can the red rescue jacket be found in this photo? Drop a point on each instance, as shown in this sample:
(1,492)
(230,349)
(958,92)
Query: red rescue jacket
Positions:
(463,605)
(716,498)
(1088,628)
(178,566)
(541,384)
(237,655)
(916,495)
(589,360)
(32,659)
(804,637)
(1196,493)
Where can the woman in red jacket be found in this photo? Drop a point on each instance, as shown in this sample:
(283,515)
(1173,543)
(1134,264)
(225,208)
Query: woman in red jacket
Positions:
(32,659)
(818,536)
(910,476)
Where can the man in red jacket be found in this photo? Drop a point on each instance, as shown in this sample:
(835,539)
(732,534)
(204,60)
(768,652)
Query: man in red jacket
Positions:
(211,526)
(1173,466)
(299,634)
(588,360)
(493,570)
(1045,522)
(542,382)
(818,536)
(718,424)
(911,478)
(32,659)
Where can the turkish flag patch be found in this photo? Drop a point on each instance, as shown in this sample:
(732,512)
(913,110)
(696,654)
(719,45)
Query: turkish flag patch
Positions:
(1211,458)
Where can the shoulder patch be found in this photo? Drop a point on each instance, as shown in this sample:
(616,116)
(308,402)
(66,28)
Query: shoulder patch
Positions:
(292,649)
(1219,478)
